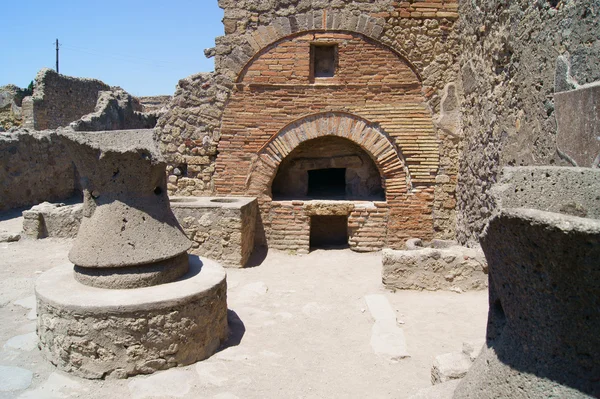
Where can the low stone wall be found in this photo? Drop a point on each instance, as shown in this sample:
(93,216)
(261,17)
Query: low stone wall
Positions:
(453,268)
(220,228)
(34,169)
(52,220)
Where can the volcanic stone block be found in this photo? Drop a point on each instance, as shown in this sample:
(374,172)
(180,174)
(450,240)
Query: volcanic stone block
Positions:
(220,228)
(434,269)
(578,120)
(127,222)
(134,304)
(544,267)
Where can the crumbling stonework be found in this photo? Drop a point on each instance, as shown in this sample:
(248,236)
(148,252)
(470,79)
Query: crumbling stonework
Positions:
(512,55)
(34,169)
(116,110)
(128,332)
(83,104)
(11,98)
(421,268)
(52,220)
(154,103)
(59,100)
(396,62)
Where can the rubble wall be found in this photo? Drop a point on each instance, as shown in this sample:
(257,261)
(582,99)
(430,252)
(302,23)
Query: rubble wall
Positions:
(59,100)
(34,169)
(509,64)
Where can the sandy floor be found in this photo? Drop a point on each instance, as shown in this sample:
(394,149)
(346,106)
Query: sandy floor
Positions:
(301,329)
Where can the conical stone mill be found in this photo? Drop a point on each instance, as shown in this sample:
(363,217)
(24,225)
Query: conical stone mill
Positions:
(132,301)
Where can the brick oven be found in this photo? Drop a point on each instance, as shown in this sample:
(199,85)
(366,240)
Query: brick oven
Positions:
(329,125)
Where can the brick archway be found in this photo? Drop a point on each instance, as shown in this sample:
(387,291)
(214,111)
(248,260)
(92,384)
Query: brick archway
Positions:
(387,158)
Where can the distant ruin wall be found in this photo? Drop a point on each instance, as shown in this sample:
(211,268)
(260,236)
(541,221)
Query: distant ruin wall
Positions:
(508,67)
(59,100)
(33,169)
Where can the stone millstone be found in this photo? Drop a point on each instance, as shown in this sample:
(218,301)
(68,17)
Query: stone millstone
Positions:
(99,333)
(127,221)
(543,323)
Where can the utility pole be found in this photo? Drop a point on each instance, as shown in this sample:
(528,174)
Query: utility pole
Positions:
(57,56)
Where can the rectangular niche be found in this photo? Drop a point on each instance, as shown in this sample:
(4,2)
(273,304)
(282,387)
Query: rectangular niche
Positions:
(323,60)
(327,183)
(328,231)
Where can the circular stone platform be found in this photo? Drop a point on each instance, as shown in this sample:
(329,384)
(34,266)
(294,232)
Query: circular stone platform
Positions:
(103,333)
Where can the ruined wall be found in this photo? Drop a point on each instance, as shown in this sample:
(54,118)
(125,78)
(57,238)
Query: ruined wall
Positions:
(421,32)
(34,169)
(154,103)
(59,100)
(508,70)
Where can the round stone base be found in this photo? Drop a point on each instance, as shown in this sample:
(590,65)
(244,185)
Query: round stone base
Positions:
(103,333)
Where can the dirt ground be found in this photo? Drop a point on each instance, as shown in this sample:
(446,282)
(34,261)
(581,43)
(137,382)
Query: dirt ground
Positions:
(300,329)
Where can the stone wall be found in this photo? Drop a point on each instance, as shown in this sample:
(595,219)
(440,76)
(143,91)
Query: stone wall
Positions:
(515,56)
(262,62)
(219,228)
(59,100)
(116,110)
(11,98)
(154,103)
(34,169)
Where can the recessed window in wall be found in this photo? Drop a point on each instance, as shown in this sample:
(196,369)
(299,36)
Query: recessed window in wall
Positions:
(324,60)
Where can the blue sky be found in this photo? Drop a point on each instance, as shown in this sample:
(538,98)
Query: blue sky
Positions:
(143,46)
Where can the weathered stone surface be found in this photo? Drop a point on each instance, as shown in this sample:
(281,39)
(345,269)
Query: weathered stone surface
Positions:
(52,220)
(542,338)
(59,100)
(473,349)
(387,339)
(96,333)
(566,190)
(9,237)
(34,169)
(14,379)
(126,208)
(452,268)
(116,110)
(450,366)
(509,63)
(578,124)
(323,207)
(25,342)
(219,228)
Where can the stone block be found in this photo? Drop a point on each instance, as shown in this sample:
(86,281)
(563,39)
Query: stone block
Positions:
(450,366)
(221,228)
(578,122)
(52,220)
(543,322)
(453,268)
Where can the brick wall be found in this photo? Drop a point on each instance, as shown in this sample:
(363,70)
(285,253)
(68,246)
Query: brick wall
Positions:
(265,57)
(374,100)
